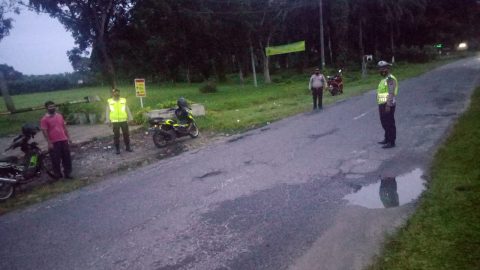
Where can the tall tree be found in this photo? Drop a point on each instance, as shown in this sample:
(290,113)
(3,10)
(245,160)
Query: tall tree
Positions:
(90,23)
(5,26)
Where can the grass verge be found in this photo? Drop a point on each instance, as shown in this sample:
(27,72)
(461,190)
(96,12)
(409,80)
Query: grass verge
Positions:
(234,108)
(444,232)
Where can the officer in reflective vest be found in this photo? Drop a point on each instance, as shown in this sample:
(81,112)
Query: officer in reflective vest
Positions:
(118,114)
(386,92)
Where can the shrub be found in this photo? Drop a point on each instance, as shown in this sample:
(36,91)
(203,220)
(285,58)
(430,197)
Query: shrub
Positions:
(140,116)
(416,54)
(171,104)
(209,87)
(276,80)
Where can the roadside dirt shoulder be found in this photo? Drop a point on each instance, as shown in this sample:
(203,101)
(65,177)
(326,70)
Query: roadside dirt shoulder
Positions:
(97,158)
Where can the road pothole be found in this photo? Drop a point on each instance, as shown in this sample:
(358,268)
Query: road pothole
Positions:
(389,191)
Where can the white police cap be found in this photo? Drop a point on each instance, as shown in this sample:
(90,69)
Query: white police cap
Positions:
(383,64)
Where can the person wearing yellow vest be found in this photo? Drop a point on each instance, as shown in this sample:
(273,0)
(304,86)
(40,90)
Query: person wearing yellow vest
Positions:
(118,114)
(386,93)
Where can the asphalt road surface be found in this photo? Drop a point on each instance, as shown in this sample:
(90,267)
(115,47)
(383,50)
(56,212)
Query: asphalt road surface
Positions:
(301,193)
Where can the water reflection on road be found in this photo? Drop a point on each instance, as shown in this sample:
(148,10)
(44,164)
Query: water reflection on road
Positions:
(389,191)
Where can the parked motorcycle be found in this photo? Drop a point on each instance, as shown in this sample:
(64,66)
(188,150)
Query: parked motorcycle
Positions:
(15,171)
(335,84)
(165,131)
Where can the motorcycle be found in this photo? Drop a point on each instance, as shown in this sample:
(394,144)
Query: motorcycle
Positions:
(165,131)
(15,171)
(335,84)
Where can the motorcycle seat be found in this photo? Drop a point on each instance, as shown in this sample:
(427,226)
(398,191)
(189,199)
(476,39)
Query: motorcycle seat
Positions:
(9,159)
(155,120)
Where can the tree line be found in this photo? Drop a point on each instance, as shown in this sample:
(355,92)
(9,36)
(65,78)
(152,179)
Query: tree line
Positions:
(191,40)
(19,83)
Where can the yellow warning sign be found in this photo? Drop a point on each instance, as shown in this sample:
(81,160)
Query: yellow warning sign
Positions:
(140,90)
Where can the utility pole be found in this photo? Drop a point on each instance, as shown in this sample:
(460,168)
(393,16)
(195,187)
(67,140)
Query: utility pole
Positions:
(322,49)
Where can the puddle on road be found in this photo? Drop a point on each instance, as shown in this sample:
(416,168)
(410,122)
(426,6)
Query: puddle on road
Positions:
(390,191)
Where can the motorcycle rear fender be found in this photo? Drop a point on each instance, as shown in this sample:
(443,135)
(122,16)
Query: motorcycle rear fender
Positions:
(8,170)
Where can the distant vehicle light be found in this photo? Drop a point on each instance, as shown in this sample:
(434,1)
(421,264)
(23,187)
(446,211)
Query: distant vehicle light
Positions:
(462,46)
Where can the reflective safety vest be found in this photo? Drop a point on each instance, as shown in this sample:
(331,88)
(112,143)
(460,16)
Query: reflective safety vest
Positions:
(382,90)
(118,110)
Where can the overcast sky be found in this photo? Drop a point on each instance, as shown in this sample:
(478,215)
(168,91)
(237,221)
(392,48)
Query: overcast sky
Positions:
(37,45)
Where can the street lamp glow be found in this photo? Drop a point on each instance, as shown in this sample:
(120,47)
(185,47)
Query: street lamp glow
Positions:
(462,46)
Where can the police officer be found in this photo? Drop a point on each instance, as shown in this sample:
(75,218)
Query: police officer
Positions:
(316,84)
(118,114)
(386,92)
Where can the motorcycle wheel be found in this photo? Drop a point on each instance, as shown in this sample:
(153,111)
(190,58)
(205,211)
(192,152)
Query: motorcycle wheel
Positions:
(6,190)
(194,132)
(334,91)
(47,165)
(159,140)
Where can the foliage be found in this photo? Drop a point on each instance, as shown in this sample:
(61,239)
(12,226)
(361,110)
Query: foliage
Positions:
(21,84)
(140,116)
(193,41)
(10,73)
(444,232)
(91,25)
(208,87)
(416,54)
(6,23)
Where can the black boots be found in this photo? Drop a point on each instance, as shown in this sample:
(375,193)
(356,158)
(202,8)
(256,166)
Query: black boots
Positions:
(388,145)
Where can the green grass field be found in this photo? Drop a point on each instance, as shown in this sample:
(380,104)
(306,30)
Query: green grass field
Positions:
(233,108)
(444,232)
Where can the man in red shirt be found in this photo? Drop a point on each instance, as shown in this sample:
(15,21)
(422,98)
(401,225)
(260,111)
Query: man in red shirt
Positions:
(55,131)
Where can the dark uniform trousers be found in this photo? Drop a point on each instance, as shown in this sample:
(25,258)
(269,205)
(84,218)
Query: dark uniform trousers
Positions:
(116,134)
(388,123)
(317,95)
(61,153)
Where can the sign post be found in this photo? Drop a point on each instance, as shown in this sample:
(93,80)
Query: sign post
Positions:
(140,90)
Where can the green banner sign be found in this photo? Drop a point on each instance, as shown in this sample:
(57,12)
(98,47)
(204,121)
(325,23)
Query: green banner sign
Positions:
(287,48)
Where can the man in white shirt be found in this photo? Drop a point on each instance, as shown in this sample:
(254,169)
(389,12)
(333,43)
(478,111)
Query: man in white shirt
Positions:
(316,84)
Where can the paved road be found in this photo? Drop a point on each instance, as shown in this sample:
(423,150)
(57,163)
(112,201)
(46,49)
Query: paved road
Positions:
(297,194)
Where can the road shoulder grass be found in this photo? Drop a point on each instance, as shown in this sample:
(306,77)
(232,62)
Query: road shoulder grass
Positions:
(444,232)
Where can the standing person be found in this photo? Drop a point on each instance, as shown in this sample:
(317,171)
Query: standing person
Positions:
(117,114)
(386,93)
(316,84)
(55,132)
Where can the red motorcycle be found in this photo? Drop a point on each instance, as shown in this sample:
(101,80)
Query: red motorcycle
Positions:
(335,84)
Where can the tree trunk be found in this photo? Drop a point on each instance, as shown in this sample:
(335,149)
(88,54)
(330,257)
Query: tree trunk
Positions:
(6,96)
(322,46)
(108,69)
(222,77)
(362,51)
(266,62)
(330,48)
(360,39)
(188,75)
(266,70)
(240,73)
(392,42)
(101,28)
(253,66)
